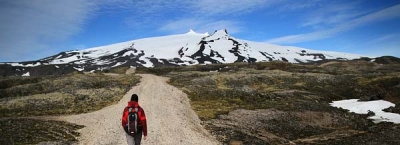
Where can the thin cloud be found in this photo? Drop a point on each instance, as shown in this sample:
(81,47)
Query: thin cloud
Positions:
(382,49)
(384,38)
(196,8)
(201,26)
(228,7)
(385,14)
(232,26)
(29,26)
(178,16)
(332,14)
(291,5)
(387,44)
(182,25)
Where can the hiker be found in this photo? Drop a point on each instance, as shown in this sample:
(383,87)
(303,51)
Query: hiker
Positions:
(134,121)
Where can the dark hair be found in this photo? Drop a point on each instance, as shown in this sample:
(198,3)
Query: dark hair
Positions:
(134,97)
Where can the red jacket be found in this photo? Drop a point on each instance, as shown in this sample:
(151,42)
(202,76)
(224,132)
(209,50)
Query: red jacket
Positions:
(142,116)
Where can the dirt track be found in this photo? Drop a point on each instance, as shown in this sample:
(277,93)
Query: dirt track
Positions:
(170,119)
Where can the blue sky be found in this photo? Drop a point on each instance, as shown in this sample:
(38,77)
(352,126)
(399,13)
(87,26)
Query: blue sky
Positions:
(34,29)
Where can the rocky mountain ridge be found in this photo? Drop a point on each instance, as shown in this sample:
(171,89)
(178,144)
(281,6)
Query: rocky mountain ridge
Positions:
(175,50)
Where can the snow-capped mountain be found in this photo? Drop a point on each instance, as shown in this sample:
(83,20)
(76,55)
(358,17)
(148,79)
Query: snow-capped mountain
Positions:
(182,49)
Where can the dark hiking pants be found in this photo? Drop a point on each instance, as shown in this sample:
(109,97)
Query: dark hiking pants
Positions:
(134,140)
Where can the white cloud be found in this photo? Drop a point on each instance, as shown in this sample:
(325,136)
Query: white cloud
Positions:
(29,26)
(385,14)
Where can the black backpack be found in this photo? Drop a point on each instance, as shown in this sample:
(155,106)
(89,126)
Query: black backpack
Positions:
(133,121)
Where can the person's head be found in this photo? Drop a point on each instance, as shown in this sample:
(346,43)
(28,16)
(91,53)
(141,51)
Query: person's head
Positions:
(134,97)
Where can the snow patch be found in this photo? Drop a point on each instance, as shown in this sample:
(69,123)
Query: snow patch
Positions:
(118,64)
(191,32)
(148,63)
(33,65)
(353,105)
(27,74)
(220,34)
(128,53)
(27,65)
(64,60)
(79,69)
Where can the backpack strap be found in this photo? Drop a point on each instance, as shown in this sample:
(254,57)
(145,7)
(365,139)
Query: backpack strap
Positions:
(127,123)
(138,119)
(136,109)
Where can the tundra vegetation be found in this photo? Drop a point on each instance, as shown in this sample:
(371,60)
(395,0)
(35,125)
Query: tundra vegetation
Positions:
(23,98)
(240,103)
(283,103)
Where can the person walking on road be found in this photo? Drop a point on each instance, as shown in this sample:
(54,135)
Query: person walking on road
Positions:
(134,121)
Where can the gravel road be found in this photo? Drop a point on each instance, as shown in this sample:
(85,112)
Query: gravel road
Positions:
(170,119)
